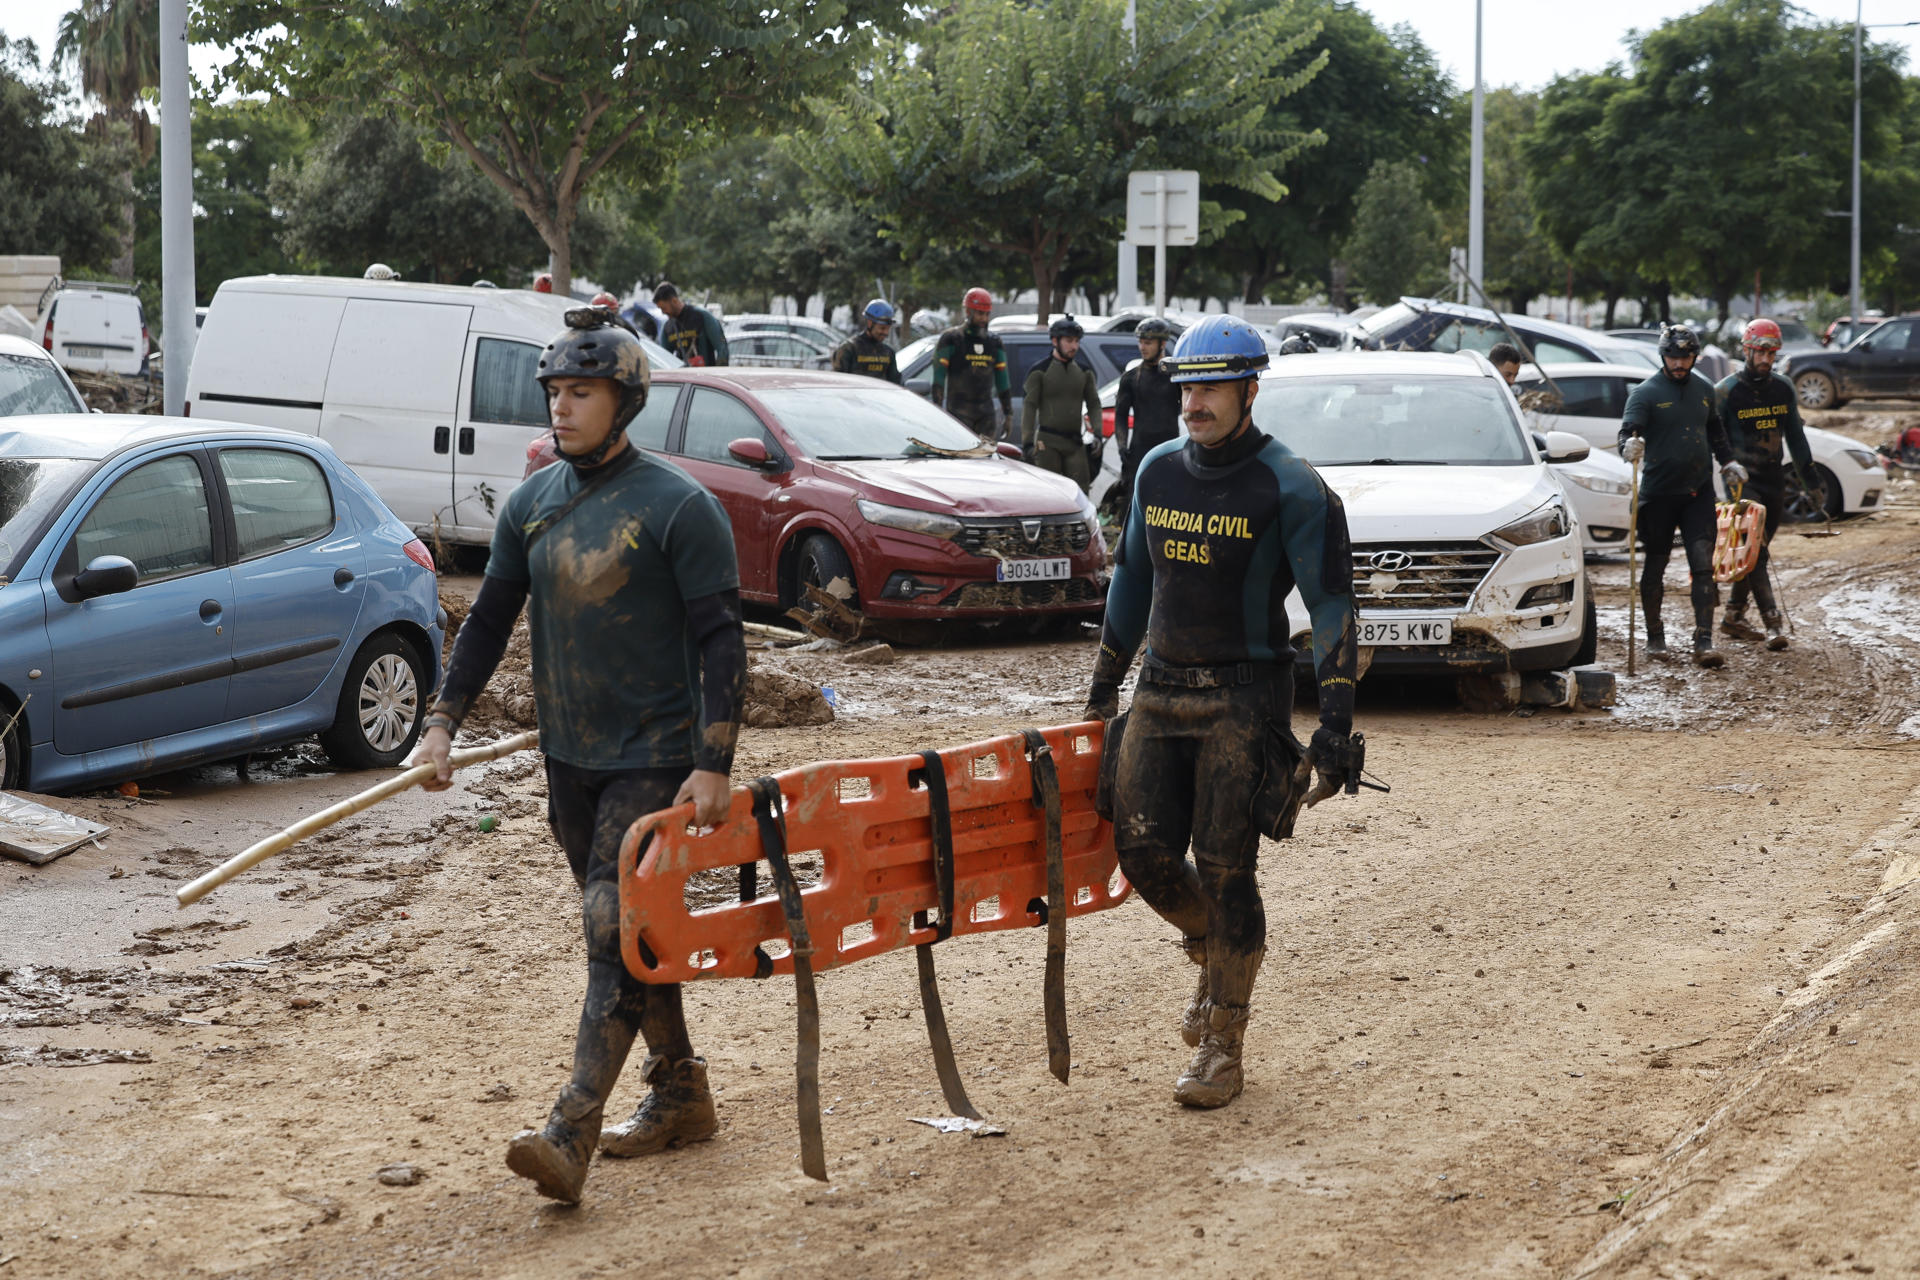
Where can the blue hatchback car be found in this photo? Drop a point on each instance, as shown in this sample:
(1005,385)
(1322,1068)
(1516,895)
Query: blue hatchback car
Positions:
(178,591)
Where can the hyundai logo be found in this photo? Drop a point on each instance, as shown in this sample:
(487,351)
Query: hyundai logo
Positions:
(1390,561)
(1032,529)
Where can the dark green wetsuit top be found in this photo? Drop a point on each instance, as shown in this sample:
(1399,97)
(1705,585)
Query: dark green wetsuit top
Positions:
(695,332)
(1681,427)
(1762,421)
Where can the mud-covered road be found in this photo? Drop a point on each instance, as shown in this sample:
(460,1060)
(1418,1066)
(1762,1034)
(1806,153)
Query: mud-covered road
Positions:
(1626,993)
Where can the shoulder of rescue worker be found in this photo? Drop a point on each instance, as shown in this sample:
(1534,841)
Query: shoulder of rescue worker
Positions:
(1296,475)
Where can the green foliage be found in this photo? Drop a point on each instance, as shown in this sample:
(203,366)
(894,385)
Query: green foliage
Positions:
(544,96)
(58,188)
(1395,247)
(1012,127)
(115,46)
(1521,261)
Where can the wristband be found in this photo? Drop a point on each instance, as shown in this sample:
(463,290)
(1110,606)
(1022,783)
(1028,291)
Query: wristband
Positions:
(437,719)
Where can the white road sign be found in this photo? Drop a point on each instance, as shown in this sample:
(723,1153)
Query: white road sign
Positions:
(1180,189)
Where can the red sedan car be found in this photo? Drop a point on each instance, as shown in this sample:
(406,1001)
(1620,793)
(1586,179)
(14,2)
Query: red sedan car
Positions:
(827,475)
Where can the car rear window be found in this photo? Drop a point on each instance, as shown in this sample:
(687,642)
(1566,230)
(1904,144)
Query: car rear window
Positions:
(1354,420)
(857,422)
(29,384)
(280,499)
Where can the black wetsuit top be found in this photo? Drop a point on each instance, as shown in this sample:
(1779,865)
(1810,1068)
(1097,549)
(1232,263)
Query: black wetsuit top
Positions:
(1146,409)
(864,353)
(1762,422)
(1682,434)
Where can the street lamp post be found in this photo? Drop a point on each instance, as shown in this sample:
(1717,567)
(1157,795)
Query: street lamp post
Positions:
(1854,278)
(1476,166)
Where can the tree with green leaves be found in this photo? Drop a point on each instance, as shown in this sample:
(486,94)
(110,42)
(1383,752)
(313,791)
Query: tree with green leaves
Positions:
(544,96)
(1522,261)
(115,45)
(1013,127)
(1395,247)
(58,188)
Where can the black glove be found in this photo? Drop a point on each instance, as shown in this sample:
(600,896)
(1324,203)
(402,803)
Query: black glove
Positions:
(1026,453)
(1334,758)
(1103,701)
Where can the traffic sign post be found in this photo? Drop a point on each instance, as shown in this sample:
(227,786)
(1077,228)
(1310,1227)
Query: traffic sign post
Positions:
(1163,208)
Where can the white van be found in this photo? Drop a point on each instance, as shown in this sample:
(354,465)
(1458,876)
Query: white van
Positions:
(426,390)
(98,328)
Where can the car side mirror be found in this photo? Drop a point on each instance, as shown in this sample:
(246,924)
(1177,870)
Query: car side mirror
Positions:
(1008,449)
(1563,446)
(750,451)
(1865,344)
(106,576)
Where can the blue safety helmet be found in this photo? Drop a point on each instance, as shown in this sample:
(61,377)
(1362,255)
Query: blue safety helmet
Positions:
(880,310)
(1218,349)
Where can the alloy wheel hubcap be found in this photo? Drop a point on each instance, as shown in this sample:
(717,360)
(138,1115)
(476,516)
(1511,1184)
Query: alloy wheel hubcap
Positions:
(389,702)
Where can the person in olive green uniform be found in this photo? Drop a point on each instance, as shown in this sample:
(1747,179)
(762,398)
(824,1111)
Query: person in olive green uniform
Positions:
(1672,421)
(692,333)
(1058,392)
(867,352)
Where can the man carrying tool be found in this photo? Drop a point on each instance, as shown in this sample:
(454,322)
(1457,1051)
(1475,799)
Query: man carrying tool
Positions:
(639,672)
(692,333)
(1146,409)
(1223,526)
(867,352)
(1761,416)
(970,371)
(1670,420)
(1058,392)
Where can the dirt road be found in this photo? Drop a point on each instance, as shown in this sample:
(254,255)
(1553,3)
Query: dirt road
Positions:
(1619,994)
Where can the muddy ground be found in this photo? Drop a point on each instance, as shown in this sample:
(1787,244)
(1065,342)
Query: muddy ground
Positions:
(1625,993)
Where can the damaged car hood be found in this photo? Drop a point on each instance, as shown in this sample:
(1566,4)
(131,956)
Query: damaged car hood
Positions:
(1426,503)
(990,486)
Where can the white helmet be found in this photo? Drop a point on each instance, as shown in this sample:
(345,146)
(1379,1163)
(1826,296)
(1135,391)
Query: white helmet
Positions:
(380,271)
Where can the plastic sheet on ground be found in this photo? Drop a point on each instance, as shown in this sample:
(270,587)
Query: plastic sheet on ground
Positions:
(961,1124)
(36,834)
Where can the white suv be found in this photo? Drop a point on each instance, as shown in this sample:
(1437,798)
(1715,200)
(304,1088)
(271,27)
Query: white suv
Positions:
(1466,549)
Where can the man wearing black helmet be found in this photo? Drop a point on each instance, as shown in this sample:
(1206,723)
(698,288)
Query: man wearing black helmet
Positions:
(1059,392)
(1670,420)
(639,672)
(1146,410)
(867,352)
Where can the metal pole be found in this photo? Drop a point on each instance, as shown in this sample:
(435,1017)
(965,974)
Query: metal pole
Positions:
(1859,308)
(1477,164)
(176,205)
(1160,244)
(1129,274)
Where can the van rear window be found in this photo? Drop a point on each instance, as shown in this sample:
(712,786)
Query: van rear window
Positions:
(504,389)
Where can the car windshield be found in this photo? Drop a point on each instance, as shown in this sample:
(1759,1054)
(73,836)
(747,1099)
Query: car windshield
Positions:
(845,423)
(31,489)
(1622,352)
(1382,420)
(29,384)
(1794,331)
(1386,318)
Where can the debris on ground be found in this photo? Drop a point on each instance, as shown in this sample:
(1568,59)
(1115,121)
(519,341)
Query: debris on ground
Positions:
(776,700)
(874,655)
(37,834)
(961,1124)
(117,392)
(400,1175)
(825,612)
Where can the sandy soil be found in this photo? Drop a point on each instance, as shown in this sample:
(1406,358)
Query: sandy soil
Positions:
(1618,994)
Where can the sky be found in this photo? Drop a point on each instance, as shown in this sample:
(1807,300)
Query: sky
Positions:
(1527,42)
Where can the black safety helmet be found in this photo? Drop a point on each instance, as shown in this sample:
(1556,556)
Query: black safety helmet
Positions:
(1154,327)
(597,344)
(1298,344)
(1065,327)
(1679,340)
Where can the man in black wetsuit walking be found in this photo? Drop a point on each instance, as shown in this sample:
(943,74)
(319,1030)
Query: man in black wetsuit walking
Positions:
(867,352)
(1146,408)
(970,371)
(1761,416)
(1223,526)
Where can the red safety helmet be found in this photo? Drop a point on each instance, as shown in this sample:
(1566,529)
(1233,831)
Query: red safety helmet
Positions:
(543,283)
(977,299)
(1762,335)
(605,299)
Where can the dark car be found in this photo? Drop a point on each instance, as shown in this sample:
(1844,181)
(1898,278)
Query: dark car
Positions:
(1882,364)
(1107,354)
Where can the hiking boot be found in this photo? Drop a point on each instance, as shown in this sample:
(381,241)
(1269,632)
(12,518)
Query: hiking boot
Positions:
(556,1157)
(1776,637)
(1657,641)
(1193,1022)
(1213,1078)
(678,1110)
(1704,654)
(1735,624)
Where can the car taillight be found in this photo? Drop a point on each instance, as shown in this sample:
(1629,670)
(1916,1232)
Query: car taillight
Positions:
(46,339)
(186,408)
(146,341)
(1106,421)
(417,552)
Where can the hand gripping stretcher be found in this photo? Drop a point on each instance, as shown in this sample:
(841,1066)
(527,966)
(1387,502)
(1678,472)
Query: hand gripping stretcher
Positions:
(1740,531)
(994,835)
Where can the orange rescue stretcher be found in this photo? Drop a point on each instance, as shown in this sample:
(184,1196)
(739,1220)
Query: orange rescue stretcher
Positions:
(994,835)
(1740,531)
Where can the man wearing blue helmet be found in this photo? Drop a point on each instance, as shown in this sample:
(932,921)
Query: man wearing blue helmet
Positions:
(1223,525)
(867,352)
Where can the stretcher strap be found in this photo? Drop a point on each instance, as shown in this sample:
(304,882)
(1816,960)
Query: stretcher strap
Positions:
(773,839)
(940,821)
(1046,795)
(749,890)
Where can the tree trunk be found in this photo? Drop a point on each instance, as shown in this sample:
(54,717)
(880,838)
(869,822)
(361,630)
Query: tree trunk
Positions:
(1613,301)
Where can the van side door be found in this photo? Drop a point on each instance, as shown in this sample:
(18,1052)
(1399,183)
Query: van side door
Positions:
(502,410)
(392,399)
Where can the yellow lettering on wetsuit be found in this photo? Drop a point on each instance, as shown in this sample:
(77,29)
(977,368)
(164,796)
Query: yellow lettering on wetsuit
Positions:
(1187,552)
(1196,522)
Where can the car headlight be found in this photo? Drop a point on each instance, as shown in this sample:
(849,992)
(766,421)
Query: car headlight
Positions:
(1540,525)
(1599,484)
(1867,461)
(932,523)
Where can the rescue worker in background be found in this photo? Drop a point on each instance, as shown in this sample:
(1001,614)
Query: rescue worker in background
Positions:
(543,283)
(613,545)
(1672,421)
(1506,360)
(380,271)
(1059,393)
(867,352)
(970,371)
(1223,526)
(1298,344)
(607,300)
(1146,409)
(692,333)
(1761,416)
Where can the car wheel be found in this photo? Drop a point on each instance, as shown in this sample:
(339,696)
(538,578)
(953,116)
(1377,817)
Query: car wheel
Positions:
(1816,390)
(12,754)
(1832,498)
(820,561)
(1810,505)
(1589,649)
(382,705)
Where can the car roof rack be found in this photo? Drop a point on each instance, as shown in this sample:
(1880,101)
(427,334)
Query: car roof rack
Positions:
(112,285)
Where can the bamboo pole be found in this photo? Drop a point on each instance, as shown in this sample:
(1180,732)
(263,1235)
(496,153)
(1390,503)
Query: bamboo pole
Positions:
(194,890)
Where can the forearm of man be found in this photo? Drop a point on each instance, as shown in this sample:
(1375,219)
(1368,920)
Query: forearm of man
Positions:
(717,339)
(1797,445)
(938,392)
(478,648)
(1030,411)
(715,621)
(1129,605)
(1318,548)
(1717,440)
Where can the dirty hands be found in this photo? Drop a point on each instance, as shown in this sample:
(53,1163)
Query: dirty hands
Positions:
(1633,450)
(436,746)
(1733,473)
(1103,701)
(709,792)
(1335,759)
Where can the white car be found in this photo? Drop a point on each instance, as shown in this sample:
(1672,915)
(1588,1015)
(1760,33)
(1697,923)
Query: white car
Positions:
(1593,396)
(818,332)
(30,381)
(99,328)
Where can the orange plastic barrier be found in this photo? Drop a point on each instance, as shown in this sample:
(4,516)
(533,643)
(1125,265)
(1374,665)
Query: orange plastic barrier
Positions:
(1740,531)
(871,823)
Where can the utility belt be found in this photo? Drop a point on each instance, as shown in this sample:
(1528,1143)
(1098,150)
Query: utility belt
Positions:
(1227,677)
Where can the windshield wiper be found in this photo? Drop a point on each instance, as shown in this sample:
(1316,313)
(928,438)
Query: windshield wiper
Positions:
(857,457)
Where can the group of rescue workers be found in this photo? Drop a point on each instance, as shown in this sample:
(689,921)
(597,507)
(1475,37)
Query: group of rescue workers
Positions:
(619,543)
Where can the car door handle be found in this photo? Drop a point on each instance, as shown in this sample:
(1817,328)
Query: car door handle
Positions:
(466,439)
(341,577)
(209,610)
(442,437)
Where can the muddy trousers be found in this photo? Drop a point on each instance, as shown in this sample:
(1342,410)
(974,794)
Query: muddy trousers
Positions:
(1692,515)
(1065,456)
(981,420)
(590,811)
(1757,582)
(1190,767)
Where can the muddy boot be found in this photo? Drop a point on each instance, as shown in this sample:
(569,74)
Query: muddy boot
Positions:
(1193,1022)
(1735,624)
(1657,641)
(1213,1078)
(1704,654)
(1776,636)
(556,1157)
(679,1110)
